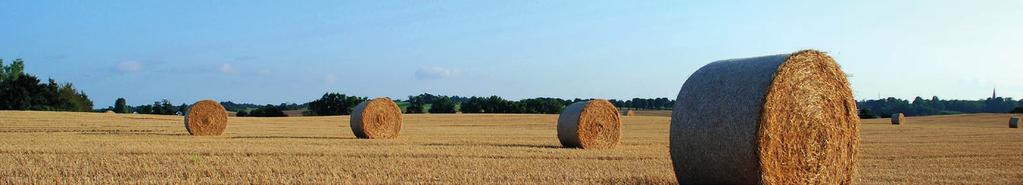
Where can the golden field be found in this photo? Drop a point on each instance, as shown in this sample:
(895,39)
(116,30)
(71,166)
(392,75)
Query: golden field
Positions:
(57,147)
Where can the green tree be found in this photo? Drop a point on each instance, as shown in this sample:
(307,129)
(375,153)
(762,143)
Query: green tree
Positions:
(268,111)
(121,106)
(442,104)
(167,107)
(416,104)
(335,104)
(242,113)
(473,105)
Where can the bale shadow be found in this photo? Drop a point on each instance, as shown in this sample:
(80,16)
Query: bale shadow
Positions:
(288,137)
(528,146)
(497,145)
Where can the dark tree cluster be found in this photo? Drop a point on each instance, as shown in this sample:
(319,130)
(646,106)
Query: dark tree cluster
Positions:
(162,107)
(267,110)
(334,104)
(236,107)
(934,106)
(22,91)
(645,103)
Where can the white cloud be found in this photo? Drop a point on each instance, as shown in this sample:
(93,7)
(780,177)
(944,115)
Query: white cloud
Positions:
(329,78)
(129,66)
(263,72)
(433,72)
(227,69)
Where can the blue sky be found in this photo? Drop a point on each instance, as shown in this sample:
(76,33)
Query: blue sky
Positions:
(282,51)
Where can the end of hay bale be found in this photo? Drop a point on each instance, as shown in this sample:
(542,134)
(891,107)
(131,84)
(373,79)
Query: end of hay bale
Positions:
(593,124)
(1014,122)
(898,119)
(780,119)
(630,113)
(379,118)
(206,118)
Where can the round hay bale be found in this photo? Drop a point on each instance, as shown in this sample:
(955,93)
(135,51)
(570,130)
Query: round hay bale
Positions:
(109,112)
(206,118)
(379,118)
(1014,122)
(593,124)
(780,119)
(630,113)
(898,119)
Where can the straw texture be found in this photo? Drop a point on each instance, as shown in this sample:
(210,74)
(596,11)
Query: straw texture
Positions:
(780,119)
(593,124)
(379,118)
(206,118)
(630,113)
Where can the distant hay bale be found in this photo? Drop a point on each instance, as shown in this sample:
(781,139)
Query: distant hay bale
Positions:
(379,118)
(898,119)
(630,113)
(109,112)
(206,118)
(780,119)
(593,124)
(1014,122)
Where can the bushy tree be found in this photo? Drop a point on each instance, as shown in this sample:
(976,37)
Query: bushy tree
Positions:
(121,106)
(543,105)
(442,104)
(20,91)
(267,111)
(335,104)
(242,113)
(417,104)
(473,105)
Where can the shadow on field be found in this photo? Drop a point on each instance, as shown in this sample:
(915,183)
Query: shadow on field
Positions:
(288,137)
(493,145)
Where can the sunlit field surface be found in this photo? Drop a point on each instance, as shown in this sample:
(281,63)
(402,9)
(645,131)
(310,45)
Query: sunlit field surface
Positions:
(57,147)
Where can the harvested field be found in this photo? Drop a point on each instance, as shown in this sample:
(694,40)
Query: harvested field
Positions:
(47,147)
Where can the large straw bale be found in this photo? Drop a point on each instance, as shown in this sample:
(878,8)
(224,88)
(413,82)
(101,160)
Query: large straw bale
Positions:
(206,118)
(780,119)
(898,119)
(379,118)
(593,124)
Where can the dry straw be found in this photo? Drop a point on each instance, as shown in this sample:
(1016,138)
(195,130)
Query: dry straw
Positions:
(630,113)
(898,119)
(1014,122)
(593,124)
(206,118)
(781,119)
(379,118)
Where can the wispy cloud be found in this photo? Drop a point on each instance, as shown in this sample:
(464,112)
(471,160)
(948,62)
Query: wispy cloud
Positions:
(227,68)
(434,72)
(129,66)
(329,79)
(244,58)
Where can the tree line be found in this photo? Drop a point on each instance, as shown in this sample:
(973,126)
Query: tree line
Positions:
(884,108)
(163,107)
(22,91)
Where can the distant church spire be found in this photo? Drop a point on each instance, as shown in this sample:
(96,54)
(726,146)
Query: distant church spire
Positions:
(994,93)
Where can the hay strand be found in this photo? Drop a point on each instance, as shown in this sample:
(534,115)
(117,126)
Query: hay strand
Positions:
(379,118)
(206,118)
(898,119)
(781,119)
(593,124)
